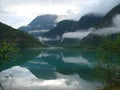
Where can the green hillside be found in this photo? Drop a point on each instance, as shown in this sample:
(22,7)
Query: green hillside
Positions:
(20,38)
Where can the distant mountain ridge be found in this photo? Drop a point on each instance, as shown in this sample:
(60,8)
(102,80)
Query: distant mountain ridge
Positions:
(106,22)
(107,19)
(66,26)
(43,22)
(55,35)
(60,29)
(86,22)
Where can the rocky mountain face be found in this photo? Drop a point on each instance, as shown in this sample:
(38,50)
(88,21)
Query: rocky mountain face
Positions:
(67,26)
(43,22)
(40,25)
(84,23)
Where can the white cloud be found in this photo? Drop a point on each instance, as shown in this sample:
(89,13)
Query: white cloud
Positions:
(115,28)
(42,39)
(38,31)
(116,20)
(76,35)
(73,9)
(107,31)
(14,20)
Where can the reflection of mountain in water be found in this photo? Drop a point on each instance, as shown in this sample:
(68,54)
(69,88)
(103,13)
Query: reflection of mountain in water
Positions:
(41,69)
(64,61)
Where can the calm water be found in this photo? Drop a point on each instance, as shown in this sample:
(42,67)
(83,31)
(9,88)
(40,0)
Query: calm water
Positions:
(50,69)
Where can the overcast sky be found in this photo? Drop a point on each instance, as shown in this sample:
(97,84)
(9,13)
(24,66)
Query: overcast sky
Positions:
(20,12)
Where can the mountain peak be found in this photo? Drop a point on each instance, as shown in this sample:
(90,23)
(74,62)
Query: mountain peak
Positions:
(44,19)
(43,22)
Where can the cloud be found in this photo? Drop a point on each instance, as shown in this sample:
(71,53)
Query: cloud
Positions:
(109,30)
(76,35)
(116,20)
(104,6)
(42,39)
(114,29)
(38,31)
(73,9)
(14,20)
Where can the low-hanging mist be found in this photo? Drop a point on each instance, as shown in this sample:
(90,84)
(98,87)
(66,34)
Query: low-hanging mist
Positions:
(76,35)
(115,28)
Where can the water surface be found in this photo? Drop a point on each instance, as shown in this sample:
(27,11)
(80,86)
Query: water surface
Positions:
(50,69)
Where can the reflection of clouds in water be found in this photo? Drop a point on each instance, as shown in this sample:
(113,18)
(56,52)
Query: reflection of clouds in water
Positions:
(67,59)
(45,54)
(37,62)
(76,60)
(25,80)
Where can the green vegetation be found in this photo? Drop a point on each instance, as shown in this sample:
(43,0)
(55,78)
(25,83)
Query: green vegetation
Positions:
(20,38)
(112,45)
(108,67)
(7,50)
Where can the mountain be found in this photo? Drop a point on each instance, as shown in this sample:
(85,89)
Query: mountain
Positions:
(66,26)
(84,23)
(20,38)
(107,19)
(61,27)
(43,22)
(87,21)
(103,29)
(105,24)
(40,25)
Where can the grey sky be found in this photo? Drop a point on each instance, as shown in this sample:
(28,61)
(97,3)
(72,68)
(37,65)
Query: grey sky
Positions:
(20,12)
